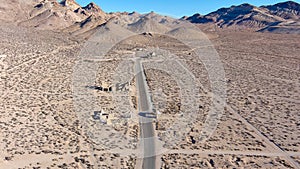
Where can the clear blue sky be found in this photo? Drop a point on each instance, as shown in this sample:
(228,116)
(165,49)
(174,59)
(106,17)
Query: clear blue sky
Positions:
(175,8)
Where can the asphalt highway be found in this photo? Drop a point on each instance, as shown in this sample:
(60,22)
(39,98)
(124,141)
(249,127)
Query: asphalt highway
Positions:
(146,122)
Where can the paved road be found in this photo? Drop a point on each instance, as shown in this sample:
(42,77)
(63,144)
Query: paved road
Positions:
(146,123)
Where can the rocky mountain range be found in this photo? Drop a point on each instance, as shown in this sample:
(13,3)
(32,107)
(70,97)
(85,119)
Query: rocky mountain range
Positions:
(49,14)
(281,17)
(68,16)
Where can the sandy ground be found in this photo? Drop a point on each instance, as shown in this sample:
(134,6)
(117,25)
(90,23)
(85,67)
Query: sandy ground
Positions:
(39,126)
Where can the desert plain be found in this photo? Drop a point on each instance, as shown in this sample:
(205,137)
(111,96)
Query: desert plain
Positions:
(40,127)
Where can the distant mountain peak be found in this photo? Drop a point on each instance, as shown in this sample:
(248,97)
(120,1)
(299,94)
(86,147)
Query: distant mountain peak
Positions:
(70,3)
(91,6)
(147,24)
(244,7)
(288,4)
(247,5)
(197,15)
(134,13)
(94,9)
(67,2)
(151,14)
(286,10)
